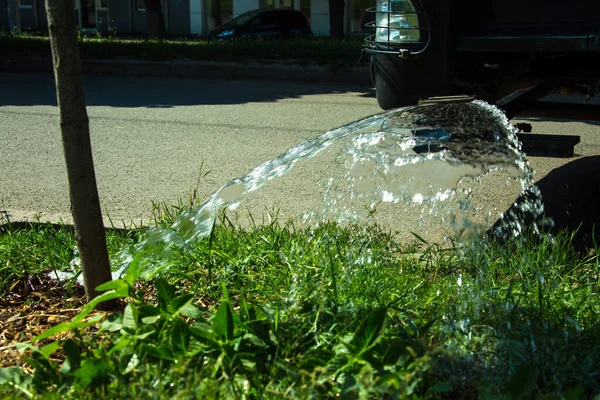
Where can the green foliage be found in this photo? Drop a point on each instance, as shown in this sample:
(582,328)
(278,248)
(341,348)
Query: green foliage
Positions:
(336,54)
(282,312)
(36,248)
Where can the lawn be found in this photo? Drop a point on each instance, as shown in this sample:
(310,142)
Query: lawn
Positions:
(282,312)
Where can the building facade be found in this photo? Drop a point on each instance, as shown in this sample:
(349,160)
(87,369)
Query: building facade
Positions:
(182,17)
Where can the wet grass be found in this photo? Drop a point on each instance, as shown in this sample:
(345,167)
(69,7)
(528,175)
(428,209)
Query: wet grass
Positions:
(283,312)
(317,51)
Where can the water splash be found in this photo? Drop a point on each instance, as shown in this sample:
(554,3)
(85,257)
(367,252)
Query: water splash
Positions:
(437,170)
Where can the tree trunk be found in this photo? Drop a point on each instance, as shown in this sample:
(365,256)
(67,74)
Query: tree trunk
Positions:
(336,19)
(14,16)
(216,12)
(74,125)
(154,17)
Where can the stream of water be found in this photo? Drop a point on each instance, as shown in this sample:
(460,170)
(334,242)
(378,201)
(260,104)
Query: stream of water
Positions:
(441,171)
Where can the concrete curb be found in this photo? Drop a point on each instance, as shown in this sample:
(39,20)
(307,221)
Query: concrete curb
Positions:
(197,70)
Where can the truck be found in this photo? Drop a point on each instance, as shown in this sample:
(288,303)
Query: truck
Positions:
(511,53)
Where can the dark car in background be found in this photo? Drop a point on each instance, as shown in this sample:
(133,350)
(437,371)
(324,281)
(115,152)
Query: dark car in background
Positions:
(497,50)
(264,24)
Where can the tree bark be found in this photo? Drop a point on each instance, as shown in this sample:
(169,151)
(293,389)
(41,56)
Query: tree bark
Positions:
(336,19)
(74,124)
(216,12)
(154,18)
(14,16)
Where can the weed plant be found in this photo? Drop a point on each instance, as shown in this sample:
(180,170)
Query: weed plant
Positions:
(282,312)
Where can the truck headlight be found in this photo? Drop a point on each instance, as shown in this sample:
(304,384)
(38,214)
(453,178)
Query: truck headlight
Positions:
(396,21)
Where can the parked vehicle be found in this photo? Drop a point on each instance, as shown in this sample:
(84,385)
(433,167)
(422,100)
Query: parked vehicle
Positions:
(494,49)
(264,23)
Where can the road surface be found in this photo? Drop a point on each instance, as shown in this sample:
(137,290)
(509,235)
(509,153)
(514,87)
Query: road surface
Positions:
(150,138)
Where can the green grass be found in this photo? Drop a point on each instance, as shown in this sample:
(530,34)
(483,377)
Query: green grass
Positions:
(281,312)
(32,249)
(336,54)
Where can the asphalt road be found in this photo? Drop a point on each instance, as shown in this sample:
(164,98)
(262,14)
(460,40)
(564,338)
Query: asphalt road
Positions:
(150,138)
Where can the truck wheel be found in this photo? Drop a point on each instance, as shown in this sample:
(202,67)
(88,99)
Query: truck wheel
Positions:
(389,85)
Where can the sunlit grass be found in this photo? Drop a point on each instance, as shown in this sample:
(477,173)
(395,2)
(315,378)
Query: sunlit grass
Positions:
(283,312)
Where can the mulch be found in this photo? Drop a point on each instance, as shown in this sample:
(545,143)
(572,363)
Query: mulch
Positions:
(31,306)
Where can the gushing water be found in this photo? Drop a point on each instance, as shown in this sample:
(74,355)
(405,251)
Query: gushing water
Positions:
(441,171)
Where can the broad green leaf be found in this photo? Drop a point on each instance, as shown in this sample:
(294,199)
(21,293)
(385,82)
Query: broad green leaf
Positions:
(180,335)
(162,352)
(190,310)
(21,347)
(89,307)
(45,370)
(146,310)
(183,305)
(369,332)
(150,320)
(164,292)
(249,362)
(202,330)
(122,343)
(195,347)
(223,322)
(133,270)
(255,340)
(16,378)
(10,375)
(73,355)
(113,323)
(130,317)
(117,284)
(393,350)
(146,332)
(523,381)
(133,362)
(56,329)
(92,370)
(67,326)
(337,363)
(179,302)
(50,348)
(92,321)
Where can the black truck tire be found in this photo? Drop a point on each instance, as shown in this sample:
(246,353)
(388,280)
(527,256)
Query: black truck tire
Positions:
(389,86)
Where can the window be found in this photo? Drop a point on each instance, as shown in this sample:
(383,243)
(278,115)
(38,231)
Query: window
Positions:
(264,21)
(286,4)
(101,4)
(294,20)
(140,5)
(277,4)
